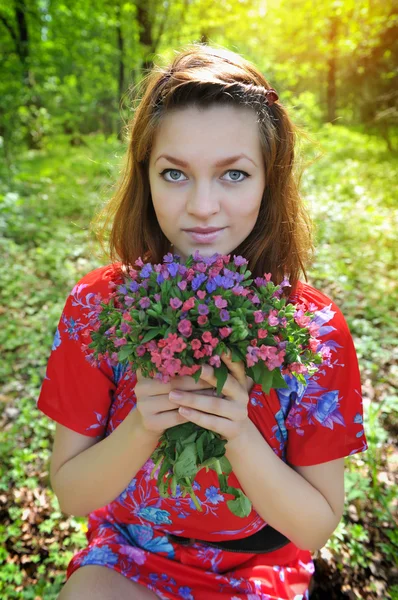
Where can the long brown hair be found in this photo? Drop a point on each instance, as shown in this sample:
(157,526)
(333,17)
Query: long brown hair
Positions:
(202,75)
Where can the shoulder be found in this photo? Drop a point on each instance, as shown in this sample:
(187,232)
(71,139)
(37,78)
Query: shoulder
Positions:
(94,287)
(99,281)
(328,315)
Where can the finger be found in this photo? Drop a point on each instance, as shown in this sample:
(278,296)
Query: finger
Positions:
(162,421)
(237,369)
(212,405)
(231,387)
(225,427)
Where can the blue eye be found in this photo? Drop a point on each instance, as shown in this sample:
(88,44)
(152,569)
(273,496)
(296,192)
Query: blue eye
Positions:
(246,175)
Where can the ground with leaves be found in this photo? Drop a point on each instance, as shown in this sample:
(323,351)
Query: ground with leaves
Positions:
(47,198)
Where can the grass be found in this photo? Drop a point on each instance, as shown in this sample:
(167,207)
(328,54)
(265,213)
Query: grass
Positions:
(46,203)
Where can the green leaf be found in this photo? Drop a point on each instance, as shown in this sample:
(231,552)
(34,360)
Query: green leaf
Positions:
(185,465)
(241,506)
(221,374)
(199,446)
(125,352)
(266,380)
(225,465)
(278,380)
(151,334)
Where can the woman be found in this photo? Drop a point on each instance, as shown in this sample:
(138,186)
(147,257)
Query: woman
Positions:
(210,148)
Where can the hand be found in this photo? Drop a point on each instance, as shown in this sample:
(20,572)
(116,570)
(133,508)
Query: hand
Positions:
(228,415)
(155,410)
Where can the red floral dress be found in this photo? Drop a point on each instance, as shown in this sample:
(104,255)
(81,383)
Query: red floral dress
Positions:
(304,424)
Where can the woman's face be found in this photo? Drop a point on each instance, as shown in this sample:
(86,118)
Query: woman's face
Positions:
(190,190)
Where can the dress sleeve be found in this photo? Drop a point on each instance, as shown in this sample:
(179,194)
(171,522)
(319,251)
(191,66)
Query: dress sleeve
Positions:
(74,392)
(325,418)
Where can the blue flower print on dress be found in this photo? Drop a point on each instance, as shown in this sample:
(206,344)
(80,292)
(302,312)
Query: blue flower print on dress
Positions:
(213,496)
(326,410)
(142,536)
(100,424)
(155,515)
(185,593)
(100,555)
(57,340)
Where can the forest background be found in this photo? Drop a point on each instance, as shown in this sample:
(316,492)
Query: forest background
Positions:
(65,73)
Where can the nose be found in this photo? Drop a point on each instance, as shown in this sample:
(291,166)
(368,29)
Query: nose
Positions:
(202,202)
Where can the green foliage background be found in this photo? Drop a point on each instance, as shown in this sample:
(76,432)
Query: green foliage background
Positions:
(64,78)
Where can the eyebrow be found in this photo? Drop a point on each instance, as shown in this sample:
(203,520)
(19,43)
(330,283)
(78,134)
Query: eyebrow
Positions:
(221,163)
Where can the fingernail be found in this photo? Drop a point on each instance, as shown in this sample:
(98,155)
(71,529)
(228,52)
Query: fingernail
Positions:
(175,395)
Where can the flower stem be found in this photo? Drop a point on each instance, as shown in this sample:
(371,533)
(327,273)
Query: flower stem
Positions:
(156,466)
(192,494)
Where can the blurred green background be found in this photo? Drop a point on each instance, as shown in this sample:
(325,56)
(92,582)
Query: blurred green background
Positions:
(65,72)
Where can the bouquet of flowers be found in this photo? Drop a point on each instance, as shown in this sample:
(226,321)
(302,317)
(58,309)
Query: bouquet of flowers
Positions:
(168,319)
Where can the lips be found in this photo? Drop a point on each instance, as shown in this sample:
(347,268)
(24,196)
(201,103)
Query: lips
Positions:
(205,236)
(204,230)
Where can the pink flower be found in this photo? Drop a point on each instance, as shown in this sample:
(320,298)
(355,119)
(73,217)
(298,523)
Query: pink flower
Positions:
(172,366)
(185,327)
(120,342)
(167,352)
(314,329)
(206,336)
(175,303)
(202,320)
(215,360)
(196,344)
(208,349)
(301,319)
(133,273)
(126,316)
(198,354)
(201,267)
(220,302)
(273,318)
(139,262)
(262,333)
(258,316)
(298,367)
(140,350)
(201,294)
(182,285)
(188,304)
(225,331)
(125,328)
(313,344)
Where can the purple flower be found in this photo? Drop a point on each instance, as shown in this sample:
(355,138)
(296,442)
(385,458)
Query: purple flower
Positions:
(168,258)
(224,315)
(133,286)
(159,279)
(239,261)
(211,286)
(203,309)
(146,271)
(144,302)
(224,282)
(198,280)
(122,289)
(259,281)
(175,303)
(285,282)
(173,269)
